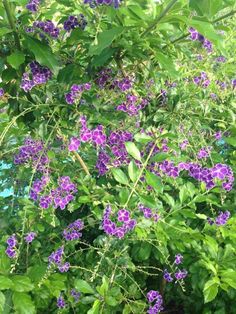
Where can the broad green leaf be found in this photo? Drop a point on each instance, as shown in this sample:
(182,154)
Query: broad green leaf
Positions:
(16,59)
(2,302)
(120,176)
(231,141)
(21,283)
(4,31)
(83,286)
(133,150)
(167,64)
(111,301)
(142,138)
(210,290)
(43,53)
(155,181)
(95,309)
(133,171)
(104,287)
(159,157)
(229,276)
(105,39)
(5,283)
(23,303)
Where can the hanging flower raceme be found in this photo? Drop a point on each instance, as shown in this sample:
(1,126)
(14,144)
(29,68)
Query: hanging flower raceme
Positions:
(33,5)
(48,28)
(156,298)
(132,105)
(11,250)
(72,232)
(56,259)
(195,36)
(95,3)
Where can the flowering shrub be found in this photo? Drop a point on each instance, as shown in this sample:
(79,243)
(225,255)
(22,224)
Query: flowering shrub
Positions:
(118,157)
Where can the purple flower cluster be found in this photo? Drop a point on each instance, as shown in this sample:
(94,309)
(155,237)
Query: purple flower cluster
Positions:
(221,59)
(104,78)
(183,144)
(123,84)
(72,231)
(74,144)
(11,246)
(116,142)
(124,225)
(56,258)
(33,5)
(181,274)
(195,36)
(30,237)
(154,296)
(1,92)
(61,304)
(147,213)
(47,27)
(97,135)
(204,152)
(209,176)
(74,22)
(61,196)
(222,218)
(38,186)
(202,80)
(76,92)
(132,105)
(75,294)
(38,75)
(33,151)
(94,3)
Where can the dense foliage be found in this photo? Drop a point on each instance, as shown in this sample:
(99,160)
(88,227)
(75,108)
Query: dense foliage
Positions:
(117,144)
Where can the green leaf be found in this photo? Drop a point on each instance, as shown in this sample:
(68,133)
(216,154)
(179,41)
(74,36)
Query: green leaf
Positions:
(210,290)
(166,63)
(155,181)
(4,31)
(120,176)
(105,39)
(5,283)
(23,303)
(111,301)
(16,59)
(133,171)
(159,157)
(83,286)
(229,276)
(231,141)
(104,287)
(142,138)
(2,302)
(133,150)
(21,283)
(95,308)
(43,53)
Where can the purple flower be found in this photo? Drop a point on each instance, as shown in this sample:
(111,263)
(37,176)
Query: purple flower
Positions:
(123,215)
(30,237)
(47,27)
(154,296)
(61,302)
(75,22)
(33,5)
(1,92)
(75,294)
(167,276)
(11,252)
(64,267)
(222,218)
(74,144)
(181,274)
(178,259)
(72,231)
(56,257)
(12,241)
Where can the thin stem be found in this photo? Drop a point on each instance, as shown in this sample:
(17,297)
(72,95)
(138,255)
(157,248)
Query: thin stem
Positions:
(159,18)
(11,23)
(141,172)
(82,163)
